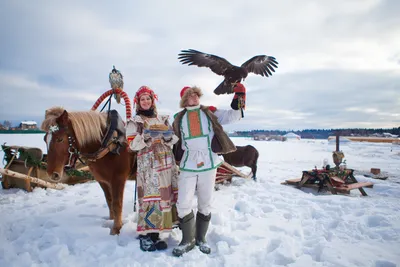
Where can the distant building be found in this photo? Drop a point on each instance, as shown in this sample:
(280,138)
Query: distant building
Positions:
(276,138)
(292,136)
(390,135)
(259,137)
(24,125)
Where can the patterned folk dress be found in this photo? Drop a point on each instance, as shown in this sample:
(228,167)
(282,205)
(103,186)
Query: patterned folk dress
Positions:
(156,175)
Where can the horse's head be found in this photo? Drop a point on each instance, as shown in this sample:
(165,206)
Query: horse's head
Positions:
(59,145)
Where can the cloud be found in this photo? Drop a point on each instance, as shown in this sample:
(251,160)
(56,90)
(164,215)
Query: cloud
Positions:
(338,62)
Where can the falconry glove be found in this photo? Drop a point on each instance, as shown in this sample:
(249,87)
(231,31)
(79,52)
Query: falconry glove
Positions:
(239,99)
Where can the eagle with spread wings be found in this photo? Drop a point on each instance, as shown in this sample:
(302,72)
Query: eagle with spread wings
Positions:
(262,65)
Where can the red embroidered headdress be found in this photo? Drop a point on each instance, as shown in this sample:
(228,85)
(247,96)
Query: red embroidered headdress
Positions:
(144,90)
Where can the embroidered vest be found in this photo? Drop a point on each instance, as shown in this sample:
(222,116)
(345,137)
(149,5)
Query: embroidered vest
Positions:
(220,144)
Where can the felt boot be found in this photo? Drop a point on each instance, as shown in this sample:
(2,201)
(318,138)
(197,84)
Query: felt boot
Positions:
(187,225)
(202,222)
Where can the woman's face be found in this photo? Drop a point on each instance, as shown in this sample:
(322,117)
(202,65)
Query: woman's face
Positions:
(145,102)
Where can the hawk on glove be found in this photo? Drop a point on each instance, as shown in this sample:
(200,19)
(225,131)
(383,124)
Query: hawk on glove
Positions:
(116,81)
(262,65)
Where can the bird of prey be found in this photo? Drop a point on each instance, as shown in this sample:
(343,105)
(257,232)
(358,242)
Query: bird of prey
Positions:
(116,81)
(262,65)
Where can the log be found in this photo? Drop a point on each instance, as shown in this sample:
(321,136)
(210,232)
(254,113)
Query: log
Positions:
(32,179)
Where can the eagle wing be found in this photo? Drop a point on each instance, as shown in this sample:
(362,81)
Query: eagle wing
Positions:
(193,57)
(262,65)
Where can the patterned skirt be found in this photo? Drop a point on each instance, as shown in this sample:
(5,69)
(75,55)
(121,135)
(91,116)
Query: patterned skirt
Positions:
(157,189)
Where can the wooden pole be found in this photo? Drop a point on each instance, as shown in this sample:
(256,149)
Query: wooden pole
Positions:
(337,141)
(232,169)
(84,168)
(32,179)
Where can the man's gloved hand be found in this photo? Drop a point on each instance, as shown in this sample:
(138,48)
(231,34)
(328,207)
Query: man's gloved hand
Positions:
(239,99)
(239,88)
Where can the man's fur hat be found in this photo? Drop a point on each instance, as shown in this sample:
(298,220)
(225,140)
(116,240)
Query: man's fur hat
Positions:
(186,92)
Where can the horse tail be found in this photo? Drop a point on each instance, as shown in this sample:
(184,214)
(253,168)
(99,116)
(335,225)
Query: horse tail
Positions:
(256,154)
(254,165)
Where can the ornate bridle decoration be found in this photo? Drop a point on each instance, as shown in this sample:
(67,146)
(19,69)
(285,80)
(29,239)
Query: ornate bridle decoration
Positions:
(53,128)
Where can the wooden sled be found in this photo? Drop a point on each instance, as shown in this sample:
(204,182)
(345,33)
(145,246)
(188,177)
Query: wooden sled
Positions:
(333,184)
(27,180)
(225,172)
(379,176)
(26,168)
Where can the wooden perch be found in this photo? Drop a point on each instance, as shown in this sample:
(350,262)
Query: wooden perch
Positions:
(32,179)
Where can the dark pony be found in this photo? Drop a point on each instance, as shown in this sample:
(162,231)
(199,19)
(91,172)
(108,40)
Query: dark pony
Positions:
(243,156)
(80,134)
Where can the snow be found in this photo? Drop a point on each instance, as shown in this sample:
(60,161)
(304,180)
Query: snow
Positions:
(29,122)
(259,223)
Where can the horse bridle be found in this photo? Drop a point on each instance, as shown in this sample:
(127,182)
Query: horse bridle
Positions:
(73,152)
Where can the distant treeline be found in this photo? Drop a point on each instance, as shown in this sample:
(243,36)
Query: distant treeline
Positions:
(307,133)
(19,131)
(321,133)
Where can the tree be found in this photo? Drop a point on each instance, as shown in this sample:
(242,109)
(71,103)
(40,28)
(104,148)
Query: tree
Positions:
(7,124)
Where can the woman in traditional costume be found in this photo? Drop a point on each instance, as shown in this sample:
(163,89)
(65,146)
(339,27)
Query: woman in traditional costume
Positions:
(151,136)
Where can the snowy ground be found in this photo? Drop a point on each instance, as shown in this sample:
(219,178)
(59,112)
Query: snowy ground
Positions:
(253,224)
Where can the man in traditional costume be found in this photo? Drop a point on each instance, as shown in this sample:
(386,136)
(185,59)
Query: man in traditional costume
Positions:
(201,139)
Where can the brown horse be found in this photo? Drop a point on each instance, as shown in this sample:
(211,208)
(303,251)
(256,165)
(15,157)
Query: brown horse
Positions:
(80,134)
(243,156)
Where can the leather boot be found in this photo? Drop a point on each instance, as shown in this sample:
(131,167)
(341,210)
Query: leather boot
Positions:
(160,244)
(187,226)
(202,222)
(146,244)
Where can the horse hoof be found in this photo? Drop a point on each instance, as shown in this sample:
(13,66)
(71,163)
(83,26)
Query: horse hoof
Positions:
(114,231)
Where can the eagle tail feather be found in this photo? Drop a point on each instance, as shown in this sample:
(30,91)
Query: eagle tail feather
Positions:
(223,88)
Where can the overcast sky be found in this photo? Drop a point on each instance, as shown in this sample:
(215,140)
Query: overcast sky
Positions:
(339,61)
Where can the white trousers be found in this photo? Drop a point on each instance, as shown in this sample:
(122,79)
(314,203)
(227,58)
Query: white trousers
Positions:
(188,183)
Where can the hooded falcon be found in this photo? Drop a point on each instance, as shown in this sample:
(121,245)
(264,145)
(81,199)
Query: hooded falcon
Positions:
(262,65)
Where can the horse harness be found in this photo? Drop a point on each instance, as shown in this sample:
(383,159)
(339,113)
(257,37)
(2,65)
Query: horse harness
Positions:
(112,145)
(112,141)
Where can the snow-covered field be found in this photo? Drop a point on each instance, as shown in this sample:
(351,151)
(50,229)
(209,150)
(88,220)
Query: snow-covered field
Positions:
(253,224)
